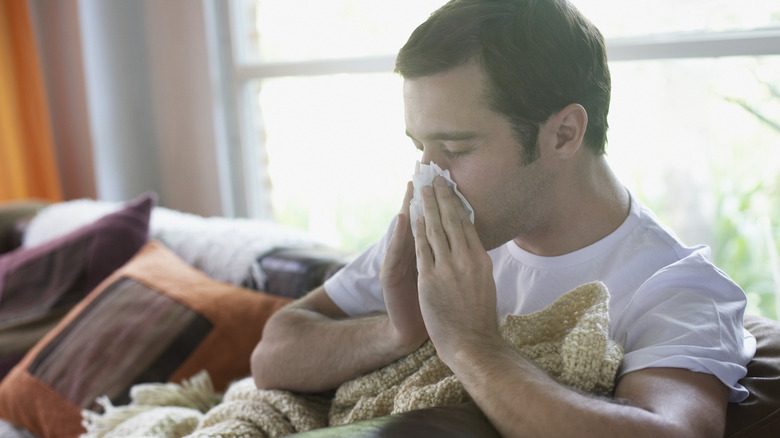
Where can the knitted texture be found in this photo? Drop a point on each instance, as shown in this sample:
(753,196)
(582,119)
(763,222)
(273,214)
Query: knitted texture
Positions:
(568,339)
(157,410)
(263,413)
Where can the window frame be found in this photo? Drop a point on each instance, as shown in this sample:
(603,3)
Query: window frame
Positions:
(240,147)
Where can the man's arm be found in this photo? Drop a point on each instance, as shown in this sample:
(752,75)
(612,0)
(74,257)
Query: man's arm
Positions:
(458,303)
(311,345)
(522,400)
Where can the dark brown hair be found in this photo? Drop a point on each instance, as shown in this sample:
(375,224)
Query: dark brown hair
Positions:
(538,56)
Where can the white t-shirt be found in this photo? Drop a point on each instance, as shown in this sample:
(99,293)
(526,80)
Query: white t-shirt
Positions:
(669,306)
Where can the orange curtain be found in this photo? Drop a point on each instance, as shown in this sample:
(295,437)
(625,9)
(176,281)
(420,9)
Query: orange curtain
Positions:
(28,167)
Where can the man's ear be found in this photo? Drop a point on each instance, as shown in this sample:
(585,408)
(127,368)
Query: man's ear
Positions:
(566,130)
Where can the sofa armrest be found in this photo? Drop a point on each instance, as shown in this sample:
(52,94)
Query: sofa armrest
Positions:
(758,416)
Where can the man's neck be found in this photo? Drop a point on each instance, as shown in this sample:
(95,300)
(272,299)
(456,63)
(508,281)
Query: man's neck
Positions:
(593,206)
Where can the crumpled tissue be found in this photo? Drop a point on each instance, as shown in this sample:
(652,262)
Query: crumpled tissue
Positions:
(423,176)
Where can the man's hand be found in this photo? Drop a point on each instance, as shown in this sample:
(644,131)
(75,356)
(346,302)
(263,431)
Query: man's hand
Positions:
(456,286)
(398,277)
(311,345)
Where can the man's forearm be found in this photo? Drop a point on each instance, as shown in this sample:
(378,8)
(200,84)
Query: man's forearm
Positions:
(534,405)
(305,351)
(522,400)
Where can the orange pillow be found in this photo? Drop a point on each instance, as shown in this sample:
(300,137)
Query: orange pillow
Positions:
(155,319)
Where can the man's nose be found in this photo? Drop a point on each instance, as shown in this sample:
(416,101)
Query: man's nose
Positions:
(427,155)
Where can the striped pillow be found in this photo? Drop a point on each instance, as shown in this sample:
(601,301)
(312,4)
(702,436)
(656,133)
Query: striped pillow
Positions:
(156,319)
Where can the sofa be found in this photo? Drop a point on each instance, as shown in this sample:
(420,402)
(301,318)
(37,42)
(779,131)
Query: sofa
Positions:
(97,297)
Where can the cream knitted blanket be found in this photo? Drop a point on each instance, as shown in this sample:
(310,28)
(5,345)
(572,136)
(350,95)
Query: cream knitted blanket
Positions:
(568,339)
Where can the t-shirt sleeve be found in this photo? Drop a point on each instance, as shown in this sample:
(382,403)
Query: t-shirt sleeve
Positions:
(355,288)
(688,315)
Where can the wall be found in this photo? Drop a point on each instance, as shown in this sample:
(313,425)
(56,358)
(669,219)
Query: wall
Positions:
(131,99)
(59,44)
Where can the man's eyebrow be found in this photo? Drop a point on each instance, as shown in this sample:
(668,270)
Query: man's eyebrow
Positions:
(447,136)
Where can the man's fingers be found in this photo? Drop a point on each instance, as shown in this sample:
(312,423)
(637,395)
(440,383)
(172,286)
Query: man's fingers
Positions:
(451,214)
(407,199)
(399,234)
(436,235)
(401,242)
(422,248)
(401,231)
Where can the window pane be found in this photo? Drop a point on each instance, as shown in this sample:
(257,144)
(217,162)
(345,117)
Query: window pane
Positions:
(338,157)
(294,30)
(699,141)
(671,16)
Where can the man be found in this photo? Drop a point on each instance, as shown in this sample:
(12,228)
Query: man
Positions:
(512,97)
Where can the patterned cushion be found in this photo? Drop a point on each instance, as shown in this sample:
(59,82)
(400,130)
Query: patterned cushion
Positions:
(293,272)
(156,319)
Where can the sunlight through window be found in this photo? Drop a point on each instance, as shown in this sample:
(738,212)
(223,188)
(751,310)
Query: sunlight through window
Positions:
(696,138)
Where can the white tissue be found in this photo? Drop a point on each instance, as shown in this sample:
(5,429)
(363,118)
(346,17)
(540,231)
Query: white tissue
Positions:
(423,176)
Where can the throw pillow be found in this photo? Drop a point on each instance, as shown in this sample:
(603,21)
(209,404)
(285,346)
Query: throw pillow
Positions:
(156,319)
(223,248)
(42,282)
(294,272)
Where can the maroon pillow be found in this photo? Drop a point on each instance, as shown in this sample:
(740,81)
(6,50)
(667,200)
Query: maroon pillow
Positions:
(50,278)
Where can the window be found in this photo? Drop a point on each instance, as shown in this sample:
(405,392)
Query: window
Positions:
(698,141)
(325,111)
(338,159)
(694,125)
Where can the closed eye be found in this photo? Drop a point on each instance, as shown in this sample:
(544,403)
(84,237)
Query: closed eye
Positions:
(459,138)
(447,152)
(452,154)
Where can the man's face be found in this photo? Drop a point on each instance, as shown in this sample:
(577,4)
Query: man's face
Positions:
(448,118)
